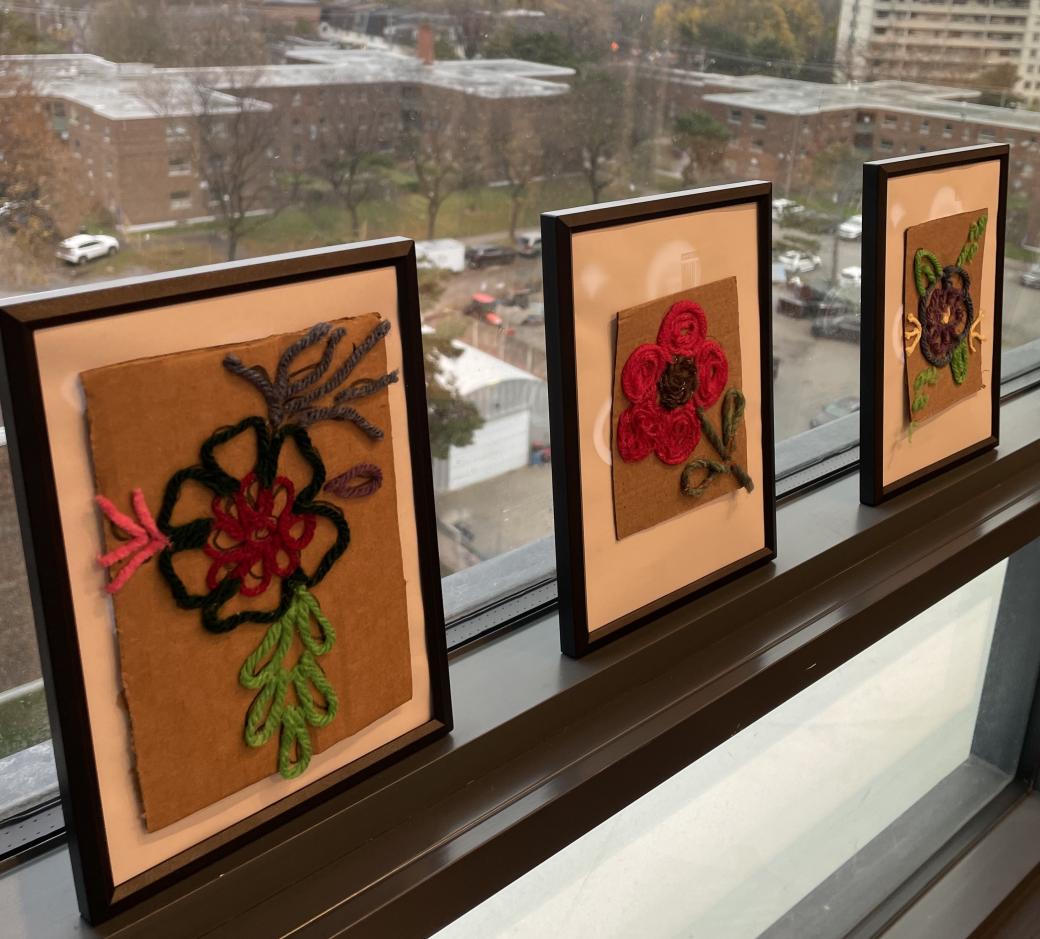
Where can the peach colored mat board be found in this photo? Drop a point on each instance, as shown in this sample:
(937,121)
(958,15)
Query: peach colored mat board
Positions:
(949,315)
(647,489)
(186,703)
(618,268)
(919,199)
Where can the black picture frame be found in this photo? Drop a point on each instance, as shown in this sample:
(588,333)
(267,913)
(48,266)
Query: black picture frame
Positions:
(558,229)
(34,483)
(876,176)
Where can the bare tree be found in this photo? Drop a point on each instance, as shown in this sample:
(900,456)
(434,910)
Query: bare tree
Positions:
(167,34)
(440,152)
(352,159)
(597,123)
(518,158)
(235,147)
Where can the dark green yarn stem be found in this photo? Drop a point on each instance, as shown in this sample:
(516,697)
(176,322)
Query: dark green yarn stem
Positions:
(712,467)
(713,437)
(733,406)
(266,672)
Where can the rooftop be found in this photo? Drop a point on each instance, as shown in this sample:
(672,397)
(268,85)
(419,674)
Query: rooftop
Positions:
(801,98)
(133,90)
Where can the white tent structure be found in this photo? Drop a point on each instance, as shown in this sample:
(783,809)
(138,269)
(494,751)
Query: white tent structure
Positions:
(515,407)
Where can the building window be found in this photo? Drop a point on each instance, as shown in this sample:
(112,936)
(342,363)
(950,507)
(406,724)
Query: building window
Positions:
(925,127)
(889,121)
(759,120)
(179,166)
(885,145)
(947,131)
(986,137)
(180,200)
(297,100)
(735,115)
(176,131)
(757,145)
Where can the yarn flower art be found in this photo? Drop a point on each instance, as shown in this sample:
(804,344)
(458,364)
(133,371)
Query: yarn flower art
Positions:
(265,539)
(670,384)
(666,382)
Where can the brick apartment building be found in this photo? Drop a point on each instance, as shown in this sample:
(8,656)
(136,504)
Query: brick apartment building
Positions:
(135,128)
(778,125)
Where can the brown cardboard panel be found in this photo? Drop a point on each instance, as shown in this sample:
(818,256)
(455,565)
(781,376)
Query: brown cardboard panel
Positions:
(187,709)
(944,237)
(647,492)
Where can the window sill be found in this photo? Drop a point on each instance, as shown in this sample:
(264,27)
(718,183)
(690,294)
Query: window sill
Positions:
(546,747)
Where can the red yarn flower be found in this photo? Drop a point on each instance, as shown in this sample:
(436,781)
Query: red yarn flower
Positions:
(666,382)
(256,535)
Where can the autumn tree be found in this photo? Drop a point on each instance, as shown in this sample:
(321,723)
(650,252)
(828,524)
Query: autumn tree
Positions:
(597,126)
(837,175)
(702,141)
(38,194)
(441,154)
(18,36)
(741,36)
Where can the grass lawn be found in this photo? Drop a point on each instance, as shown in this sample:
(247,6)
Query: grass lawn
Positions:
(464,214)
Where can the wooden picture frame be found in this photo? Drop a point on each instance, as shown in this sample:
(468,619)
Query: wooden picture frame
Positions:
(635,226)
(884,260)
(340,278)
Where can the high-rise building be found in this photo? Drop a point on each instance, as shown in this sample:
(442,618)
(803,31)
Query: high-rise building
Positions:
(941,40)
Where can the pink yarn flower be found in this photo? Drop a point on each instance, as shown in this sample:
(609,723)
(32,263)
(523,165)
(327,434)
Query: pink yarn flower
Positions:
(665,382)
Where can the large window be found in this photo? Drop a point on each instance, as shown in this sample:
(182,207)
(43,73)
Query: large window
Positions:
(457,122)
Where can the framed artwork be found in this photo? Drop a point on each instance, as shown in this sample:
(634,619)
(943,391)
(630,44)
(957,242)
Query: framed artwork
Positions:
(224,488)
(933,278)
(659,348)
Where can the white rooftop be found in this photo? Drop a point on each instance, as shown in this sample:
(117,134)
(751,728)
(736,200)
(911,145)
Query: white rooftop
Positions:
(132,90)
(475,369)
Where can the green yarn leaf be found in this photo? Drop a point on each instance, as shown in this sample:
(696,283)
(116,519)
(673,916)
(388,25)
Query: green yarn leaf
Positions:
(959,362)
(265,669)
(927,270)
(971,247)
(929,376)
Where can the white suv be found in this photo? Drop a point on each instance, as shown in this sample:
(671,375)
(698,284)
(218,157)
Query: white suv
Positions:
(82,248)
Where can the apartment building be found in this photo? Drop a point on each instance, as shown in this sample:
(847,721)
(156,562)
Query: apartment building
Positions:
(134,128)
(777,126)
(939,40)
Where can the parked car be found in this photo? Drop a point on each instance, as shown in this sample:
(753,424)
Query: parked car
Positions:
(1031,278)
(784,210)
(844,326)
(82,248)
(851,228)
(529,244)
(803,301)
(487,255)
(851,276)
(831,412)
(799,262)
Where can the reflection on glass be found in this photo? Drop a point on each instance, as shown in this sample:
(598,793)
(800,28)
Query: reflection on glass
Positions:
(731,843)
(148,136)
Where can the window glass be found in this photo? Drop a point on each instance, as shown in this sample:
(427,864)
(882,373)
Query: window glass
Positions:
(457,122)
(858,778)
